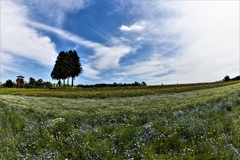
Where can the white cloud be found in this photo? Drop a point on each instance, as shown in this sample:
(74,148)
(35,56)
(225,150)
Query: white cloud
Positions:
(18,39)
(54,10)
(138,26)
(89,72)
(206,34)
(109,57)
(211,41)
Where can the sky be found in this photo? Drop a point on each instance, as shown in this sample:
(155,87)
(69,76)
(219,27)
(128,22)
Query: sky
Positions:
(122,41)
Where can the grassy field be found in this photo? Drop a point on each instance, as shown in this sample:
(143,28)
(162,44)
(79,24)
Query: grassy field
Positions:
(198,121)
(108,92)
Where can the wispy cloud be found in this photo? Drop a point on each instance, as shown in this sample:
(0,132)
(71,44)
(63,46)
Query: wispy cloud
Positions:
(104,57)
(154,41)
(148,70)
(54,11)
(211,40)
(207,43)
(8,63)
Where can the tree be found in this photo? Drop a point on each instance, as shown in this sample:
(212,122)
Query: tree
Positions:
(226,78)
(58,67)
(32,81)
(39,83)
(74,65)
(67,65)
(143,83)
(9,83)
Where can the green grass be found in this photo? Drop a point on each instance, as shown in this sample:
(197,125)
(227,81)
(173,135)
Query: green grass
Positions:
(199,124)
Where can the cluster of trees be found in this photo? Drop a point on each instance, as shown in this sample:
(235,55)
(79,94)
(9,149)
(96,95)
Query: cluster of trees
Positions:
(37,83)
(31,84)
(227,78)
(113,85)
(66,66)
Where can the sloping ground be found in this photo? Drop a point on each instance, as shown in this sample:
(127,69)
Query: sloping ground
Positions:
(200,124)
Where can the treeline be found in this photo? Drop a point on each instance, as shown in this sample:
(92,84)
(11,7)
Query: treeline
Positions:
(112,85)
(227,78)
(32,83)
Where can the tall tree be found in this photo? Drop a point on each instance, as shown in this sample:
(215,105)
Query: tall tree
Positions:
(67,65)
(58,70)
(75,68)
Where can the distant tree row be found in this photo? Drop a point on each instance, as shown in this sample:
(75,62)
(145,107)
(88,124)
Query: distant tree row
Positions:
(31,84)
(67,65)
(112,85)
(227,78)
(37,83)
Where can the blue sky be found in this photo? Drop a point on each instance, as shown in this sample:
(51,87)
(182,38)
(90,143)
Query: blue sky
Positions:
(122,41)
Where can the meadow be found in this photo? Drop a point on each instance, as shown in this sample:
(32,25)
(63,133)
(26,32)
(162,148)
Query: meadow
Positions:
(195,121)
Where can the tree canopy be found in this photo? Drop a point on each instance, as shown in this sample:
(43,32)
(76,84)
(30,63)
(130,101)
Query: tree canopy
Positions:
(67,65)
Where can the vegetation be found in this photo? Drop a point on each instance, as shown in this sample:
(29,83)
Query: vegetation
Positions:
(106,92)
(67,65)
(195,124)
(31,84)
(37,84)
(113,85)
(227,78)
(9,83)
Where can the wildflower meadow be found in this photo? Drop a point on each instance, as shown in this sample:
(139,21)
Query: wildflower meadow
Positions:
(156,123)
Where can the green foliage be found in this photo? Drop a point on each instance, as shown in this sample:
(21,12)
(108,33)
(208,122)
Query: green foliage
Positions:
(67,65)
(101,85)
(32,81)
(74,65)
(226,78)
(48,84)
(9,83)
(200,124)
(37,84)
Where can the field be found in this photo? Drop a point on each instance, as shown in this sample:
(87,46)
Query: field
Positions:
(195,121)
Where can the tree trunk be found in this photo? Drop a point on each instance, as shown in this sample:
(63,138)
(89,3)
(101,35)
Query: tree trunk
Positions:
(68,81)
(59,83)
(72,81)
